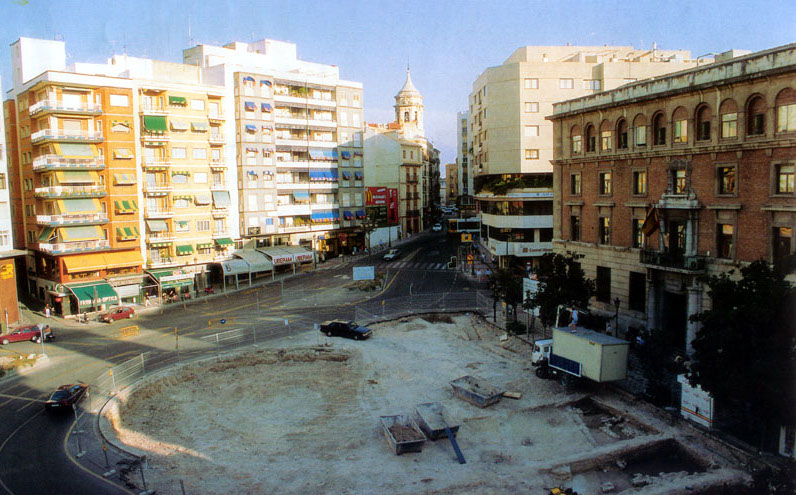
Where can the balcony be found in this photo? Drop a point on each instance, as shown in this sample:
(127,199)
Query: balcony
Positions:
(160,213)
(220,233)
(219,186)
(147,109)
(323,144)
(161,262)
(303,186)
(157,137)
(215,117)
(323,186)
(72,219)
(161,237)
(222,257)
(294,209)
(326,206)
(58,162)
(291,122)
(216,138)
(301,101)
(157,189)
(93,191)
(672,262)
(156,163)
(75,247)
(47,106)
(66,135)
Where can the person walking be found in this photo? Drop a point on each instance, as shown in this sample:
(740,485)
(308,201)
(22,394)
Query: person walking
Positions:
(47,310)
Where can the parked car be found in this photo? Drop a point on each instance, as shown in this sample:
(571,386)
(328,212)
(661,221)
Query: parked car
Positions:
(392,254)
(28,332)
(118,314)
(348,329)
(66,396)
(437,227)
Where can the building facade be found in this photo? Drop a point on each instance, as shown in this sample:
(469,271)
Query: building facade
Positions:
(451,188)
(465,200)
(9,306)
(512,144)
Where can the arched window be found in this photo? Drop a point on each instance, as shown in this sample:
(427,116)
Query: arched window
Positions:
(680,126)
(729,119)
(756,116)
(591,139)
(621,134)
(606,136)
(786,110)
(406,116)
(640,131)
(659,129)
(703,116)
(576,140)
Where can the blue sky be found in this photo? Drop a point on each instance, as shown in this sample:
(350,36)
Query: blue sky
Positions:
(447,43)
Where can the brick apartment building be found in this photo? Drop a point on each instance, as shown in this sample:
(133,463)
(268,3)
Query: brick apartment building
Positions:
(664,180)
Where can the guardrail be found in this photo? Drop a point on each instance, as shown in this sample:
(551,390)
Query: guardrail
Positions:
(131,331)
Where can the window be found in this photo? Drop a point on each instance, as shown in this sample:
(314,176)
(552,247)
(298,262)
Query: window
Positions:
(637,292)
(606,138)
(182,225)
(681,131)
(605,183)
(679,181)
(2,181)
(784,178)
(531,154)
(604,227)
(638,233)
(574,227)
(531,83)
(181,203)
(603,284)
(574,184)
(783,240)
(178,153)
(119,101)
(200,178)
(197,105)
(786,110)
(724,234)
(343,118)
(566,83)
(640,135)
(576,144)
(591,139)
(355,119)
(531,130)
(729,123)
(659,130)
(531,107)
(639,182)
(203,225)
(593,84)
(199,153)
(621,134)
(756,117)
(726,179)
(703,123)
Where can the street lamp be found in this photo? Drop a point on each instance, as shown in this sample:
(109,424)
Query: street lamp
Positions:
(616,317)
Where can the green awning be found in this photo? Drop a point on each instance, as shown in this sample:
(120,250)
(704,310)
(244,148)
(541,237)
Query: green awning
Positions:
(204,245)
(177,100)
(168,279)
(155,123)
(224,241)
(184,249)
(89,295)
(46,234)
(128,231)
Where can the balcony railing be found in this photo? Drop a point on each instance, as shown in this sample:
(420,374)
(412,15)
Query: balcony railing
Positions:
(156,162)
(162,237)
(75,247)
(161,213)
(220,233)
(55,162)
(70,191)
(154,109)
(72,219)
(672,261)
(155,136)
(66,135)
(216,137)
(60,106)
(160,262)
(218,186)
(215,116)
(217,163)
(157,188)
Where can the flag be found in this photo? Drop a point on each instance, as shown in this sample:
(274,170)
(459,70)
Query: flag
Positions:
(651,222)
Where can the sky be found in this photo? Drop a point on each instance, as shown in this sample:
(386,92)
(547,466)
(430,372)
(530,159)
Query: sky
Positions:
(446,43)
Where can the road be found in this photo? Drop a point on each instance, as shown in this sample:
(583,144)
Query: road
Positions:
(37,451)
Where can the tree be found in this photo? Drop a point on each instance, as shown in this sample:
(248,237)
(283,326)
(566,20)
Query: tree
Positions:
(506,286)
(745,350)
(561,282)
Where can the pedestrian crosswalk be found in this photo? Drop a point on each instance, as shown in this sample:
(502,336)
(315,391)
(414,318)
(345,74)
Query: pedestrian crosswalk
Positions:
(415,265)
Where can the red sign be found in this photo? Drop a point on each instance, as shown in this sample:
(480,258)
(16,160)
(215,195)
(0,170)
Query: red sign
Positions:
(376,196)
(392,207)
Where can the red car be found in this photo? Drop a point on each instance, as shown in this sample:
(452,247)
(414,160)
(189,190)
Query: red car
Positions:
(118,314)
(66,396)
(28,332)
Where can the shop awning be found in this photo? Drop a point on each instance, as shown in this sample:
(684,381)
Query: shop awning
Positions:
(93,294)
(178,125)
(358,175)
(122,153)
(345,154)
(249,106)
(224,241)
(119,259)
(333,175)
(265,107)
(124,179)
(199,126)
(75,150)
(157,225)
(46,234)
(348,215)
(256,260)
(301,195)
(221,199)
(155,123)
(318,175)
(235,267)
(177,100)
(81,233)
(77,177)
(184,249)
(84,262)
(300,253)
(278,255)
(360,214)
(322,216)
(171,279)
(202,198)
(346,175)
(78,206)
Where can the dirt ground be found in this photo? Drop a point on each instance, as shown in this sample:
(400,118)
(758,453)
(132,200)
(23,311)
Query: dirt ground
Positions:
(302,415)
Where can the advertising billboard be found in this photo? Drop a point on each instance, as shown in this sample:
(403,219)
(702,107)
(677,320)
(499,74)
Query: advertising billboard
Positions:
(382,205)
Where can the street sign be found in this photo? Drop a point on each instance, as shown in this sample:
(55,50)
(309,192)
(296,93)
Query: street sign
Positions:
(364,273)
(470,258)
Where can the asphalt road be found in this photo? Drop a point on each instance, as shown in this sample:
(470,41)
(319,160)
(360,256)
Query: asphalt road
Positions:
(36,449)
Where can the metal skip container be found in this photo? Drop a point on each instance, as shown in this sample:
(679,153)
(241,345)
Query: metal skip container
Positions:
(476,391)
(402,434)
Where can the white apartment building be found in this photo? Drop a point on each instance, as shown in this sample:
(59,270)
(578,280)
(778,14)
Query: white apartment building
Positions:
(298,149)
(512,144)
(465,200)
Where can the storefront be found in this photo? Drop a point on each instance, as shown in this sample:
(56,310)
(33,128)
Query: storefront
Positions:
(172,285)
(90,296)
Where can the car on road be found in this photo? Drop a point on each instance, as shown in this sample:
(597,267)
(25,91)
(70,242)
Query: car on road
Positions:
(392,254)
(66,396)
(28,332)
(342,328)
(437,227)
(118,314)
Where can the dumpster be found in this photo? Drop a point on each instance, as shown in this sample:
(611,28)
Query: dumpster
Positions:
(402,434)
(476,391)
(433,418)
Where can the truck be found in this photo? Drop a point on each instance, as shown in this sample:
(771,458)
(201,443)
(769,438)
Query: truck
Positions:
(575,353)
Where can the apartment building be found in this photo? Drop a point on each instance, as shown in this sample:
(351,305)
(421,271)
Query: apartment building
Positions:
(451,188)
(465,200)
(660,183)
(511,142)
(298,146)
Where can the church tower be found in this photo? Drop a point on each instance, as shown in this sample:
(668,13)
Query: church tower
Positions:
(409,108)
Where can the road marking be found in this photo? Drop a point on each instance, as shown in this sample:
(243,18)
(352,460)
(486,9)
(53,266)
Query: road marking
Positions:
(9,437)
(20,397)
(26,406)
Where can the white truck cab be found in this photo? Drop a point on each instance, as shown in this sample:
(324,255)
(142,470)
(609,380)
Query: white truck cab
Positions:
(541,350)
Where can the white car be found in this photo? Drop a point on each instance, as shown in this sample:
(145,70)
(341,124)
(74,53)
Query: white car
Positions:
(436,227)
(392,254)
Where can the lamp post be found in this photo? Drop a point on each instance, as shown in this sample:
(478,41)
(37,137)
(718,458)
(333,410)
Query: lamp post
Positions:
(616,317)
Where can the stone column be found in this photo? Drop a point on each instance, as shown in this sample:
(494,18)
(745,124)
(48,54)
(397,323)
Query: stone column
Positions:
(694,307)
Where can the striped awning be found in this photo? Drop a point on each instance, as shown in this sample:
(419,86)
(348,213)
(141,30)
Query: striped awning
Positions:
(77,177)
(360,214)
(178,125)
(202,198)
(122,153)
(184,249)
(199,126)
(345,154)
(249,106)
(157,225)
(357,175)
(178,100)
(265,107)
(124,179)
(78,206)
(348,215)
(346,175)
(80,233)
